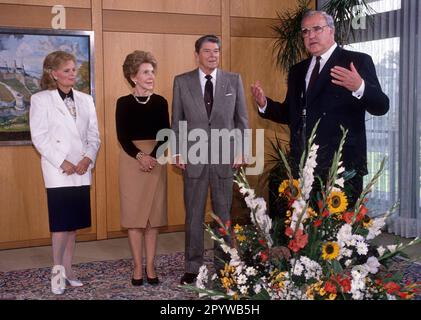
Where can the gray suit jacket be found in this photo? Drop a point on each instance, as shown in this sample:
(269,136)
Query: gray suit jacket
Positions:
(229,112)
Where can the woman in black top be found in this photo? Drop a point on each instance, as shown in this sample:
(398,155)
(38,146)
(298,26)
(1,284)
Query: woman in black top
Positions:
(143,181)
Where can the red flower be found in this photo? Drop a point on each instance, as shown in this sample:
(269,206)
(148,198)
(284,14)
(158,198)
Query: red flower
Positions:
(264,255)
(222,231)
(262,242)
(317,223)
(403,295)
(325,213)
(300,241)
(345,283)
(289,232)
(330,287)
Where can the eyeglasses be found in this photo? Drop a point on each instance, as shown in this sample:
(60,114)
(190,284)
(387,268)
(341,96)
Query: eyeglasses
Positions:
(305,32)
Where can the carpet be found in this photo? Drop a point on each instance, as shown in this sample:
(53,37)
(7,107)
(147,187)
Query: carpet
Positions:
(110,280)
(103,280)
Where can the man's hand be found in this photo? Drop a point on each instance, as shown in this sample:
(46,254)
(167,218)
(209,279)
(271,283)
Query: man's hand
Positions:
(349,79)
(179,163)
(83,165)
(68,167)
(258,94)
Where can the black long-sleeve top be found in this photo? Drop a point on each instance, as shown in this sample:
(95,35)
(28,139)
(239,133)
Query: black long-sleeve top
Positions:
(135,121)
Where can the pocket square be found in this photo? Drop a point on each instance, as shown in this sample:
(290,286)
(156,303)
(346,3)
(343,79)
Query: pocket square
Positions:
(228,94)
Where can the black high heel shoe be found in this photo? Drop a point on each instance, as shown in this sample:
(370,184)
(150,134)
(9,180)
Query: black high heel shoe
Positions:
(137,282)
(153,281)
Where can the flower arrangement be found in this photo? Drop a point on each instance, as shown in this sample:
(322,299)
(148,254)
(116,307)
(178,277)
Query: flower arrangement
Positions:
(327,253)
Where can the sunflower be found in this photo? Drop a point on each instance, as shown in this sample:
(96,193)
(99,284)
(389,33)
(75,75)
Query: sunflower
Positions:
(330,250)
(290,191)
(337,202)
(367,222)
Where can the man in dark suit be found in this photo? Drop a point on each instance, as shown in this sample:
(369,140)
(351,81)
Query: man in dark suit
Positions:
(336,86)
(208,100)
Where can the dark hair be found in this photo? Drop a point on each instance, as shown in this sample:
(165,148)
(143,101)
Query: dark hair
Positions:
(53,61)
(208,38)
(133,61)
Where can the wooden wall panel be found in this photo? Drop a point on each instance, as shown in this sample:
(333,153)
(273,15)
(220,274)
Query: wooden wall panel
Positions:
(50,3)
(146,22)
(251,58)
(40,17)
(205,7)
(260,8)
(170,64)
(252,27)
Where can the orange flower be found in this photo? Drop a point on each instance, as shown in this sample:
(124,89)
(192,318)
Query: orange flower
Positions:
(392,287)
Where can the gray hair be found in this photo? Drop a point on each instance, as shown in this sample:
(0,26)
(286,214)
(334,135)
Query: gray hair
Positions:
(328,17)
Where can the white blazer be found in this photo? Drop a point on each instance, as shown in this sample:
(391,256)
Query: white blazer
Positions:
(57,137)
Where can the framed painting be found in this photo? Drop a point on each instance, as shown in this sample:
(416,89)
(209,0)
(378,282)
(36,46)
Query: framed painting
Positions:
(22,52)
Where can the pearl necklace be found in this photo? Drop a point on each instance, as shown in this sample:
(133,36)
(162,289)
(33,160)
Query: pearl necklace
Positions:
(142,102)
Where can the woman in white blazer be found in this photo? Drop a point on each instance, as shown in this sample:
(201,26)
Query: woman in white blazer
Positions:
(64,130)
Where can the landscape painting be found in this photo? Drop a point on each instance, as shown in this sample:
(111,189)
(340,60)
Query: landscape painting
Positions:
(22,53)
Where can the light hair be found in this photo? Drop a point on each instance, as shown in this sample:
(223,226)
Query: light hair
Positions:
(133,61)
(53,61)
(328,17)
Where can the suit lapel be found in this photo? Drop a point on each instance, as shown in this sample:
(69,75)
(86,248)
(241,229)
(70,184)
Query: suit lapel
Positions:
(324,75)
(61,107)
(221,82)
(196,92)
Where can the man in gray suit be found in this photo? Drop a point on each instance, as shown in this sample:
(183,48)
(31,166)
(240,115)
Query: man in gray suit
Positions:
(209,104)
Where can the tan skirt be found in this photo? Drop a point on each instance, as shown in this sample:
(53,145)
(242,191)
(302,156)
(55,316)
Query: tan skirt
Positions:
(143,195)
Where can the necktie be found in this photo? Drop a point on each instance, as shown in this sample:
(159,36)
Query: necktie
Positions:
(208,96)
(314,73)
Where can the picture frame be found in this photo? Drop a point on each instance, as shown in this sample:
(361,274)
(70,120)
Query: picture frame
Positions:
(22,52)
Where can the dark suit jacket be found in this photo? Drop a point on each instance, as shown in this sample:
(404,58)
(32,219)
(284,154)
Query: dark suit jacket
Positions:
(334,106)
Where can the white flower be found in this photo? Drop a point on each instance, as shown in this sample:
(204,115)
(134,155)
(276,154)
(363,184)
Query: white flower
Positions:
(348,263)
(244,289)
(202,277)
(381,250)
(241,279)
(372,265)
(345,234)
(257,288)
(362,248)
(298,269)
(392,248)
(250,271)
(375,229)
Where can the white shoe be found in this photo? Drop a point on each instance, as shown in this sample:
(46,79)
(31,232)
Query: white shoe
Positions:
(58,283)
(73,283)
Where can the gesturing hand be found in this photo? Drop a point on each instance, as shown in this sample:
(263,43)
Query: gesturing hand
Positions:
(349,79)
(258,94)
